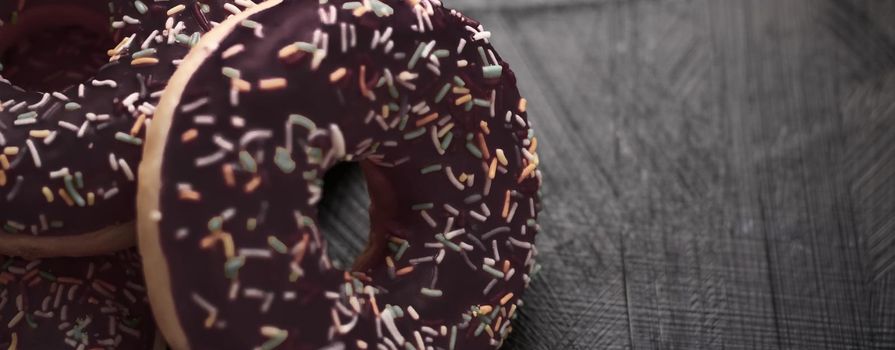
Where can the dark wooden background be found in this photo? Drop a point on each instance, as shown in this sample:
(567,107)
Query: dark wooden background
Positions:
(719,174)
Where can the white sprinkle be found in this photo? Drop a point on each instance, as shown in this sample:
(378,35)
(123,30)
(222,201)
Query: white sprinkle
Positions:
(68,125)
(389,320)
(49,139)
(210,159)
(108,82)
(43,101)
(126,169)
(254,135)
(203,119)
(192,106)
(34,155)
(455,233)
(232,8)
(149,39)
(58,174)
(83,129)
(223,143)
(60,96)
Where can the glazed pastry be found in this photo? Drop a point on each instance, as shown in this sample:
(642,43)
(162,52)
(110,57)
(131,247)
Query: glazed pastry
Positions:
(253,118)
(73,113)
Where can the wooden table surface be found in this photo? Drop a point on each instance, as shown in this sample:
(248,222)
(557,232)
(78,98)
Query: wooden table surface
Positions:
(719,174)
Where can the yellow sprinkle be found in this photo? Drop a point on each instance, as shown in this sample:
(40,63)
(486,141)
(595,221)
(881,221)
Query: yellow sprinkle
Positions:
(47,194)
(484,125)
(427,119)
(11,151)
(527,171)
(241,85)
(506,205)
(385,112)
(14,343)
(39,133)
(360,11)
(534,145)
(144,61)
(501,157)
(212,317)
(272,84)
(65,197)
(460,90)
(91,198)
(492,170)
(189,135)
(506,298)
(445,130)
(138,124)
(337,75)
(462,177)
(2,178)
(176,9)
(464,99)
(523,105)
(4,162)
(287,51)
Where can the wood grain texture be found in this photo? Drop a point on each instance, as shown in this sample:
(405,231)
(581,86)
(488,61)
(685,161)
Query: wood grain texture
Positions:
(719,173)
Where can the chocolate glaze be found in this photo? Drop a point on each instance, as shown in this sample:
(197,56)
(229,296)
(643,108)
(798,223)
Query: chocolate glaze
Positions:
(94,129)
(238,196)
(74,303)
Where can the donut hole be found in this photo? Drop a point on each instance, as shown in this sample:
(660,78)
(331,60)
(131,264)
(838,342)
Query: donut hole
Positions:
(50,48)
(343,213)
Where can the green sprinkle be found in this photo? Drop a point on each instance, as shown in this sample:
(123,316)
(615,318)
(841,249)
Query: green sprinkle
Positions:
(453,342)
(299,119)
(194,39)
(472,199)
(478,331)
(230,72)
(409,346)
(423,206)
(72,106)
(127,138)
(431,292)
(483,56)
(56,224)
(492,72)
(403,123)
(430,169)
(7,264)
(474,150)
(393,107)
(144,53)
(30,319)
(27,115)
(382,10)
(232,266)
(309,175)
(481,103)
(249,24)
(442,93)
(9,229)
(401,250)
(215,224)
(182,38)
(351,5)
(284,161)
(79,180)
(459,81)
(141,7)
(468,106)
(70,188)
(414,134)
(535,269)
(393,91)
(453,246)
(47,276)
(447,140)
(275,340)
(416,56)
(277,245)
(494,272)
(248,163)
(441,53)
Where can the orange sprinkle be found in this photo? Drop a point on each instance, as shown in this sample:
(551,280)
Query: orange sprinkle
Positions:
(229,178)
(427,119)
(526,172)
(485,309)
(363,84)
(253,184)
(69,280)
(534,145)
(190,195)
(506,266)
(241,85)
(506,205)
(39,133)
(492,170)
(462,100)
(337,75)
(4,162)
(30,274)
(523,105)
(189,135)
(484,125)
(506,298)
(289,53)
(144,61)
(272,84)
(11,151)
(138,124)
(66,198)
(405,270)
(483,146)
(6,277)
(3,178)
(497,324)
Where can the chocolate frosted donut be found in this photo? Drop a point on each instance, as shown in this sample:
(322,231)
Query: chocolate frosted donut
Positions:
(75,303)
(73,113)
(254,117)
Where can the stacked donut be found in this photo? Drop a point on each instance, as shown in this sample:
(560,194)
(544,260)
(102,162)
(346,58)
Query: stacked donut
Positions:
(234,149)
